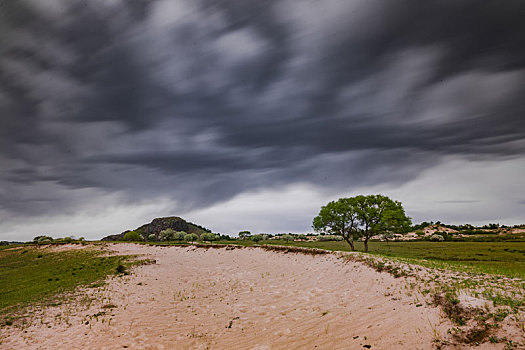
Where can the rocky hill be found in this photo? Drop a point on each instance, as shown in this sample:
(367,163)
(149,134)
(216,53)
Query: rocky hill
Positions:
(174,222)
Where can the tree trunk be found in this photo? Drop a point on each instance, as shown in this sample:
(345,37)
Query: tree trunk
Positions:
(366,245)
(351,244)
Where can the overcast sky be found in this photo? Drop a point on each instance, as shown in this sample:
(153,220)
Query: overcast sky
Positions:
(253,114)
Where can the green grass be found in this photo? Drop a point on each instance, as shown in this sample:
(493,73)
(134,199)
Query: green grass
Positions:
(32,274)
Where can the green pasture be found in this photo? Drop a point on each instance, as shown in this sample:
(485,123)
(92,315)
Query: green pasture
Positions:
(31,274)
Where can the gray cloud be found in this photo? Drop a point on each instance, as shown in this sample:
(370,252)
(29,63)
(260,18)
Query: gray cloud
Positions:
(202,100)
(460,201)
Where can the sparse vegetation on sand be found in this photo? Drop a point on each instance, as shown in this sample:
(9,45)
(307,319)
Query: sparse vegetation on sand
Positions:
(32,274)
(477,304)
(499,258)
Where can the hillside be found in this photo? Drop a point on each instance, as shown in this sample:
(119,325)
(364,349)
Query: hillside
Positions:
(157,225)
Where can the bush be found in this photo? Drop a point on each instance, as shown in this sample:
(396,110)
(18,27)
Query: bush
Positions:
(45,240)
(191,237)
(208,236)
(121,269)
(167,235)
(132,236)
(325,238)
(287,238)
(257,238)
(152,237)
(437,238)
(179,235)
(42,239)
(388,235)
(244,234)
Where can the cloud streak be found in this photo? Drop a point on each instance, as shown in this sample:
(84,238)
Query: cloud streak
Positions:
(201,101)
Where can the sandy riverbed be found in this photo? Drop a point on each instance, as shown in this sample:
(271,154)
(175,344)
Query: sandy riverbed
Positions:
(249,298)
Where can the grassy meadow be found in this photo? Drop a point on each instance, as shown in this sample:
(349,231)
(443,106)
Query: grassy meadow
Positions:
(32,274)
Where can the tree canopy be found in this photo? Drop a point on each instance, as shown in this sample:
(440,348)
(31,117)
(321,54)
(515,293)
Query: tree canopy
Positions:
(339,218)
(362,217)
(208,236)
(191,237)
(133,236)
(244,234)
(167,235)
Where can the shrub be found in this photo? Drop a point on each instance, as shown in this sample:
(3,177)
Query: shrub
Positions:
(257,238)
(244,234)
(167,235)
(121,269)
(287,238)
(132,236)
(208,236)
(179,235)
(325,238)
(437,238)
(70,239)
(191,237)
(152,237)
(42,239)
(45,240)
(388,235)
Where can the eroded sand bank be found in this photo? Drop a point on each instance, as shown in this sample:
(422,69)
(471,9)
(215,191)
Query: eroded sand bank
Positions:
(195,298)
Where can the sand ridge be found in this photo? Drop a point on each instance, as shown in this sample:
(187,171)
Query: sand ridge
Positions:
(249,298)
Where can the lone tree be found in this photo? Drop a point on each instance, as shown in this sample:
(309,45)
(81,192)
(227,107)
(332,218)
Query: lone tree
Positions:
(362,217)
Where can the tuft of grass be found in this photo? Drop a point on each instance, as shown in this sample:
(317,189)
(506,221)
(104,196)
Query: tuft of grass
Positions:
(121,269)
(452,308)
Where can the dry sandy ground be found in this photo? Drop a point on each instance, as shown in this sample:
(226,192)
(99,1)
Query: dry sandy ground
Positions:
(248,298)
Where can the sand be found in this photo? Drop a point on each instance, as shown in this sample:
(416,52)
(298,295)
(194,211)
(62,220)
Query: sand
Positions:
(245,298)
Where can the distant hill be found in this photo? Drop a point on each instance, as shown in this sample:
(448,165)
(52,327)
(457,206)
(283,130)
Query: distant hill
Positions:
(174,222)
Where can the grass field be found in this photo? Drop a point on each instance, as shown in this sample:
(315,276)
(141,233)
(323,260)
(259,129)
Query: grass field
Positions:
(31,274)
(501,258)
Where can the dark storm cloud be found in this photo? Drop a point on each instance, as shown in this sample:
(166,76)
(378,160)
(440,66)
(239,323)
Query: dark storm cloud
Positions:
(201,100)
(460,201)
